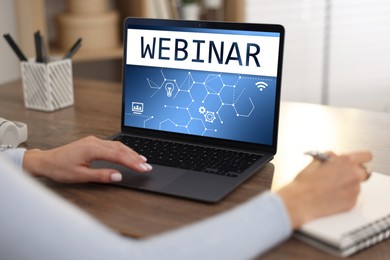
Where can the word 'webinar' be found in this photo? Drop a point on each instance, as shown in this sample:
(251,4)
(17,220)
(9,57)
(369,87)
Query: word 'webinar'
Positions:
(200,51)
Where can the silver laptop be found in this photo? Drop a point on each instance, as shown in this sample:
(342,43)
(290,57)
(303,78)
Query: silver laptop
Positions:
(201,102)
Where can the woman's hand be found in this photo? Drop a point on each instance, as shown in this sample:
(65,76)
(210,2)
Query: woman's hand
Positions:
(71,163)
(324,188)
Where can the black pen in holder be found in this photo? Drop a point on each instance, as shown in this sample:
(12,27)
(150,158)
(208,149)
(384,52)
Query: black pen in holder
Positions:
(47,84)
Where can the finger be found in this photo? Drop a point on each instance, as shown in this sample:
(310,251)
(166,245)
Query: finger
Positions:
(356,162)
(101,175)
(330,153)
(116,145)
(362,173)
(137,163)
(119,153)
(125,150)
(131,160)
(368,172)
(360,157)
(94,143)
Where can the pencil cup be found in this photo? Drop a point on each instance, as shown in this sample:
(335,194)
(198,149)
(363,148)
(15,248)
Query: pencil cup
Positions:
(47,87)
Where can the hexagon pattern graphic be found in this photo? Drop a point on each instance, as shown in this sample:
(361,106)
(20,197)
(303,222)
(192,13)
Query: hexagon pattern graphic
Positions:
(203,101)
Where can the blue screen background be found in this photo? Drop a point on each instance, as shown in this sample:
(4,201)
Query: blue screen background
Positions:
(212,104)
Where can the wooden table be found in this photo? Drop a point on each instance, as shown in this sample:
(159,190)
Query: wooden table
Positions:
(138,214)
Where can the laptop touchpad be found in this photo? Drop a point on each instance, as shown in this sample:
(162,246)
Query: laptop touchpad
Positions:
(160,177)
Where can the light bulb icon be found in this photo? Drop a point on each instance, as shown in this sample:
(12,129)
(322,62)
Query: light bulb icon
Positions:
(169,87)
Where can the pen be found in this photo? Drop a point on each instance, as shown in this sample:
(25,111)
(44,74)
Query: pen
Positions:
(43,48)
(73,50)
(44,51)
(38,47)
(323,157)
(15,47)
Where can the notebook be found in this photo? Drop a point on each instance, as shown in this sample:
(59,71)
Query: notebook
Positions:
(201,102)
(367,224)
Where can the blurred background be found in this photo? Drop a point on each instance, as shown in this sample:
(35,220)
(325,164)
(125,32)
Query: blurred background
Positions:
(336,52)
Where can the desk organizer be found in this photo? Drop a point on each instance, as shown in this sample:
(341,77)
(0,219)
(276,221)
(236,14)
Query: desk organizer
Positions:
(47,87)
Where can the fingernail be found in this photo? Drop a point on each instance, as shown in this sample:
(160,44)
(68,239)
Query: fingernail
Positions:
(143,158)
(149,167)
(116,177)
(146,167)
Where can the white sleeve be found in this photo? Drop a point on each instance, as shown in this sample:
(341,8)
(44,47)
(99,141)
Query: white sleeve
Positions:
(242,233)
(37,224)
(15,155)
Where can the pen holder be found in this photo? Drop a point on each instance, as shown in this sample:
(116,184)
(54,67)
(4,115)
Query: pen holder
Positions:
(47,87)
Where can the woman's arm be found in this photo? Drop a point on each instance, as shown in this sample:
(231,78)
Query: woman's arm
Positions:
(35,222)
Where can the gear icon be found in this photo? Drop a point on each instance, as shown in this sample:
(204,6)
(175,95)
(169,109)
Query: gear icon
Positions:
(209,117)
(202,110)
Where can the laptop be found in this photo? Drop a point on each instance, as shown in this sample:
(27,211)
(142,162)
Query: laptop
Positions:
(201,102)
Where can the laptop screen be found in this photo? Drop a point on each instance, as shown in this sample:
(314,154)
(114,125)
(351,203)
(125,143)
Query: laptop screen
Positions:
(208,79)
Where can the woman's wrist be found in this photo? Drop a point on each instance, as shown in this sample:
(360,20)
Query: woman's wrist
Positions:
(33,162)
(293,196)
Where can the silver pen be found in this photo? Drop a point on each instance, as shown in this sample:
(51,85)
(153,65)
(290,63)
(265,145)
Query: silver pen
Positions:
(323,157)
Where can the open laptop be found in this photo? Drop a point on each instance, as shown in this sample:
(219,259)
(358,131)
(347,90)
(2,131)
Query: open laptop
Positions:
(205,97)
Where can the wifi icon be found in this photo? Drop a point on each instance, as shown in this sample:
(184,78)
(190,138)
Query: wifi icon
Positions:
(261,85)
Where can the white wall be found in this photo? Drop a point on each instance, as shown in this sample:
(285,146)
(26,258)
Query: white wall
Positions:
(9,62)
(360,54)
(304,24)
(359,47)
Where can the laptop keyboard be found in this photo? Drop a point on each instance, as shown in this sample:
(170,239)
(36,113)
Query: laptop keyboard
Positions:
(192,157)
